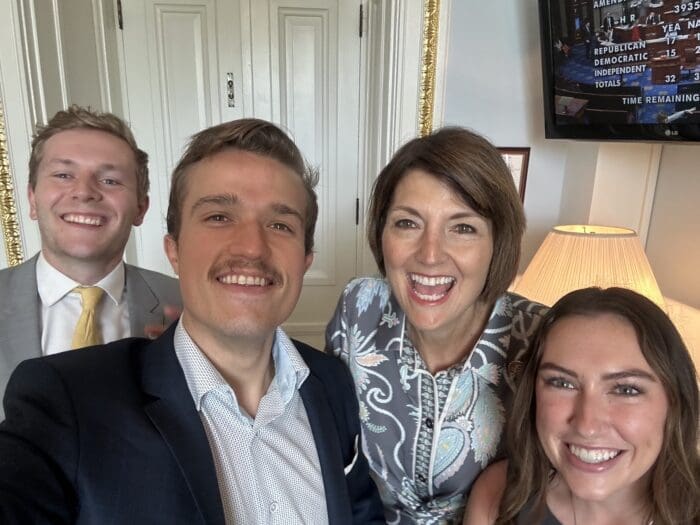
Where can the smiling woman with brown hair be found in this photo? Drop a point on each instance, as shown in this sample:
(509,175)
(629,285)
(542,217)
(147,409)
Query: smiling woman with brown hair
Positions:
(431,343)
(605,422)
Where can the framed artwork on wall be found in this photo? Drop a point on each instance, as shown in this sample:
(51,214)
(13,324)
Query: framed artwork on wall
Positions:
(517,159)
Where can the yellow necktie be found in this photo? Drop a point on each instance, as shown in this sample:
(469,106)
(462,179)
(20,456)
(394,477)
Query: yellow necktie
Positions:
(87,330)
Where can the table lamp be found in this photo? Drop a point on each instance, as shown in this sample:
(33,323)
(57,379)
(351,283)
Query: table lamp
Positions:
(578,256)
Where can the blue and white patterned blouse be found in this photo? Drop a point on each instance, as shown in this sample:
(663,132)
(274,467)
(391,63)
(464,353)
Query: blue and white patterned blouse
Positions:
(427,437)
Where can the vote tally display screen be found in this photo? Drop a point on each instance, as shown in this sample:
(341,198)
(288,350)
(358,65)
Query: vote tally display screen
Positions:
(623,62)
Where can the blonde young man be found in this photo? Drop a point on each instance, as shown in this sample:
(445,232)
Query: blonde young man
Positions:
(88,185)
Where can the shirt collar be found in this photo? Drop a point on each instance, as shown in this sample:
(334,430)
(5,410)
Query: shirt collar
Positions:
(290,368)
(53,285)
(202,376)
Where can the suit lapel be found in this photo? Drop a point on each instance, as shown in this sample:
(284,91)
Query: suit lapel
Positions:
(330,456)
(173,412)
(143,303)
(20,315)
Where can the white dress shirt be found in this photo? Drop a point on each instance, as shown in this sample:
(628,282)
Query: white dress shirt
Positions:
(61,307)
(267,468)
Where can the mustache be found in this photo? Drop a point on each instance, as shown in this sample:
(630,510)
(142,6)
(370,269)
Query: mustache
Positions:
(238,264)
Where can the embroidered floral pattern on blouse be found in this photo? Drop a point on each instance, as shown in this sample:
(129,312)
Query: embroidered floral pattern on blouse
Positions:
(424,473)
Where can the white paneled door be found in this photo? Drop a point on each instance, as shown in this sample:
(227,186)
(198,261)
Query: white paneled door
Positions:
(192,64)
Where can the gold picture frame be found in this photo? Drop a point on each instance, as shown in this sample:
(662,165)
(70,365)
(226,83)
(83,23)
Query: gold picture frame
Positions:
(517,160)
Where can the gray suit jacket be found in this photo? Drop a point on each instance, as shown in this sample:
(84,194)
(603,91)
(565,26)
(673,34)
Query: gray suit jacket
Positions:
(20,311)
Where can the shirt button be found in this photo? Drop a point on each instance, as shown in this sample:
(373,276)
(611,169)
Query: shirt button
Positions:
(274,506)
(429,422)
(421,478)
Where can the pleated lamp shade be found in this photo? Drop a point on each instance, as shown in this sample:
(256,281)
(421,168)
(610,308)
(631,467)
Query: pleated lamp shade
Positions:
(573,257)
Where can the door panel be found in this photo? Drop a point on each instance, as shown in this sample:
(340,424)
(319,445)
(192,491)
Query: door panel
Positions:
(294,62)
(174,87)
(313,59)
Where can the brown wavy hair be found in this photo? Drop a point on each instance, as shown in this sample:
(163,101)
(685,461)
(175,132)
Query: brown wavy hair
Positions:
(675,479)
(254,136)
(474,169)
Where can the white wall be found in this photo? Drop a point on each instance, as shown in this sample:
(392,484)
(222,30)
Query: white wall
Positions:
(577,193)
(673,244)
(494,86)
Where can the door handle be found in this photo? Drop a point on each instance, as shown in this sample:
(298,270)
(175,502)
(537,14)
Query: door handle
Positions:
(230,94)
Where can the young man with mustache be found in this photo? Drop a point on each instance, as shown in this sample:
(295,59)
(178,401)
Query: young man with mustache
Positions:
(222,419)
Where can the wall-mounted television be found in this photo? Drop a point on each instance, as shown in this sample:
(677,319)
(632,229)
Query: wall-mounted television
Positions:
(621,69)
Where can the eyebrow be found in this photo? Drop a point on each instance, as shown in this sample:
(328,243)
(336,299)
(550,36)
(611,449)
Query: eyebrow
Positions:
(107,166)
(623,374)
(460,215)
(633,372)
(556,368)
(282,209)
(230,200)
(62,161)
(222,199)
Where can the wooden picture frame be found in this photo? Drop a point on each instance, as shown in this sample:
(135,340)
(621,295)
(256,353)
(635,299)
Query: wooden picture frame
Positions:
(517,161)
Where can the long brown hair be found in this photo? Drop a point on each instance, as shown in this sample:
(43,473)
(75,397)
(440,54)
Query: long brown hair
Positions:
(675,479)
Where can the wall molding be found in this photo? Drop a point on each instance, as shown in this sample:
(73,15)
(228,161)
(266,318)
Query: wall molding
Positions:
(389,106)
(431,18)
(17,126)
(8,209)
(629,169)
(394,91)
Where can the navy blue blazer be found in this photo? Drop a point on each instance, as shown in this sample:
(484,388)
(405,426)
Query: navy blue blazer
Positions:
(111,435)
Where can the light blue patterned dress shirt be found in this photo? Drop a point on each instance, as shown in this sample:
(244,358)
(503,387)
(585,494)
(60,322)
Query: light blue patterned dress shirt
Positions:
(427,437)
(267,467)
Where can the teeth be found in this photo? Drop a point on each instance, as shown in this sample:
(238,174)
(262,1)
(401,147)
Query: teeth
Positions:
(433,297)
(82,219)
(424,280)
(244,280)
(431,281)
(593,456)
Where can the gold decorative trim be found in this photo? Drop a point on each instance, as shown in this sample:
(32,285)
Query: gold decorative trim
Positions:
(8,208)
(431,18)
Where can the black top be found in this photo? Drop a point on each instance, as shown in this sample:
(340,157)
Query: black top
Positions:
(525,516)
